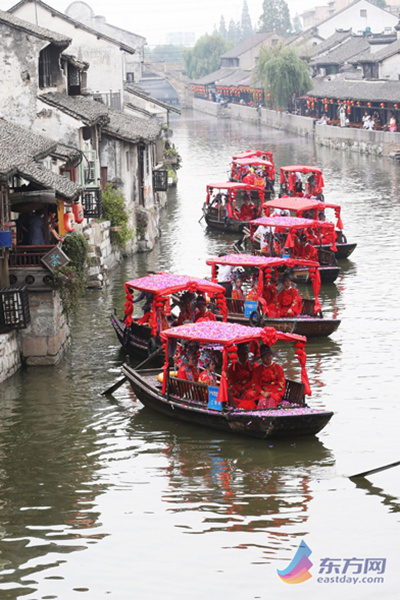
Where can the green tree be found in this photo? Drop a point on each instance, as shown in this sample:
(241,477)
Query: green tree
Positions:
(297,27)
(204,58)
(283,73)
(222,27)
(234,32)
(166,53)
(275,16)
(246,26)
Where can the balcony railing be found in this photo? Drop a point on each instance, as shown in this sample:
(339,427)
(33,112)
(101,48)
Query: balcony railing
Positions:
(28,256)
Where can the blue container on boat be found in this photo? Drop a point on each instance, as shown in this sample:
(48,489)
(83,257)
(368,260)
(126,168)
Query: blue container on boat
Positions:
(5,239)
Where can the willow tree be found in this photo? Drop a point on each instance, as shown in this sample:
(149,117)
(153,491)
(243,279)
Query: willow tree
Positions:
(282,73)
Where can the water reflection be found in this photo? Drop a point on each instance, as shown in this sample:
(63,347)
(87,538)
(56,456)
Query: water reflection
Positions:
(232,484)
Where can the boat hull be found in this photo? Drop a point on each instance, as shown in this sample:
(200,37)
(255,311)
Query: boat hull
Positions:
(136,344)
(227,225)
(304,325)
(263,424)
(328,274)
(343,250)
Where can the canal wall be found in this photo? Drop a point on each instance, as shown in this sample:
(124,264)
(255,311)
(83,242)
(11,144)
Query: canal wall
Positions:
(10,354)
(340,138)
(44,340)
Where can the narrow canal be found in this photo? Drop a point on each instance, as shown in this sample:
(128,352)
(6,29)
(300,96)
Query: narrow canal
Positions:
(102,497)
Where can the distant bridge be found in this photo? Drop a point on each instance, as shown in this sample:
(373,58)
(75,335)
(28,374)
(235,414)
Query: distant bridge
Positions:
(172,72)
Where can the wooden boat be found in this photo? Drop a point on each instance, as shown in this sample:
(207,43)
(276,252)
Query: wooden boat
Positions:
(142,339)
(200,404)
(313,209)
(301,181)
(222,209)
(311,322)
(285,230)
(246,170)
(262,154)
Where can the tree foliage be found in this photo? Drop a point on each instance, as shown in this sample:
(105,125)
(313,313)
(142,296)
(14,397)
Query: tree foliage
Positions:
(204,58)
(275,16)
(246,26)
(170,53)
(283,73)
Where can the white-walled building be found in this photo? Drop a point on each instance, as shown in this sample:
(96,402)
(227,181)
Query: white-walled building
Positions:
(106,56)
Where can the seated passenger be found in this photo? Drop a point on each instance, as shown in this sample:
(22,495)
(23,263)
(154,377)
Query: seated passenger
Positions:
(268,382)
(202,313)
(247,210)
(189,370)
(270,296)
(208,376)
(303,249)
(289,300)
(252,294)
(237,294)
(239,376)
(187,310)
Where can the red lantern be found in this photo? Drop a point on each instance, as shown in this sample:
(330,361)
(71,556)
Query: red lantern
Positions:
(69,221)
(77,209)
(396,106)
(382,105)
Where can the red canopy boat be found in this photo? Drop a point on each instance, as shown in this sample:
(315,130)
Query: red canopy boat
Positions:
(141,337)
(313,209)
(249,169)
(209,406)
(230,205)
(301,180)
(265,270)
(286,230)
(264,155)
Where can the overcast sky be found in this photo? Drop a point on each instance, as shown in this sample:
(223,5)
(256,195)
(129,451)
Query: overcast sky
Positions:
(155,18)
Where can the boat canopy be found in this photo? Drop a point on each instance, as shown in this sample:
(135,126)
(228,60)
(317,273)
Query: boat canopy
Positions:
(162,285)
(266,264)
(229,185)
(300,169)
(255,154)
(166,283)
(255,162)
(299,205)
(228,335)
(293,225)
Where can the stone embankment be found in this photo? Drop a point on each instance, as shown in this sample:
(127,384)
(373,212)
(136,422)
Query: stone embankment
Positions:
(381,143)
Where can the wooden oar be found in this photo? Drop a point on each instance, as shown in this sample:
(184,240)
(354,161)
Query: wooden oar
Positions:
(378,470)
(116,385)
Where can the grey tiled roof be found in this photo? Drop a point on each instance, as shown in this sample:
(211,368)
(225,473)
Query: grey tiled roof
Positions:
(20,149)
(380,55)
(113,122)
(37,173)
(246,45)
(18,146)
(133,129)
(138,91)
(373,90)
(343,53)
(224,76)
(79,107)
(41,32)
(332,41)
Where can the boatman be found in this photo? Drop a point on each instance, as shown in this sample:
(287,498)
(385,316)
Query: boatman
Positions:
(289,300)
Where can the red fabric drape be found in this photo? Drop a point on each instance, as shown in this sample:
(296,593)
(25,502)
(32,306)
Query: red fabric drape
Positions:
(128,308)
(165,368)
(302,357)
(223,385)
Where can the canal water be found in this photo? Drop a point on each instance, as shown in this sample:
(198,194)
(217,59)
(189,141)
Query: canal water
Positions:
(100,497)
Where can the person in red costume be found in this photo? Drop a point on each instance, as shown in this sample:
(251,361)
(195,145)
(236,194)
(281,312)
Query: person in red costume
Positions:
(189,370)
(208,376)
(203,314)
(252,293)
(238,297)
(247,210)
(239,377)
(289,299)
(186,306)
(303,249)
(268,382)
(271,298)
(250,177)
